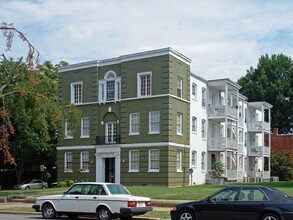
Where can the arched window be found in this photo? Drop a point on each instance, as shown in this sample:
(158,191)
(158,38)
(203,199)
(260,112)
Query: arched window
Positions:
(109,87)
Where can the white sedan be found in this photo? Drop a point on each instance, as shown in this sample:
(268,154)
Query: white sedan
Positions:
(105,200)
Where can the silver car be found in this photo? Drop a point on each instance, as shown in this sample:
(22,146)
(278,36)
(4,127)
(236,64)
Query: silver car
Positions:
(32,184)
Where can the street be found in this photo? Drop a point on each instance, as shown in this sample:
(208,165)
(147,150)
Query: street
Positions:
(31,217)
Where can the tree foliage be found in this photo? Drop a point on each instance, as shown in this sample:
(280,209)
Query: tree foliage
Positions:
(281,165)
(30,110)
(272,81)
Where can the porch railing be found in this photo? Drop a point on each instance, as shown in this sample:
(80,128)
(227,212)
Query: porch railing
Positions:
(220,110)
(259,126)
(220,143)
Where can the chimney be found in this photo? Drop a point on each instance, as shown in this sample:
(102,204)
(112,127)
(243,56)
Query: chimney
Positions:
(276,131)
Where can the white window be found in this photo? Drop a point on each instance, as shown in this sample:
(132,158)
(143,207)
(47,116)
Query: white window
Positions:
(240,136)
(194,125)
(85,127)
(84,161)
(179,161)
(134,161)
(203,128)
(154,122)
(203,161)
(68,158)
(179,87)
(134,123)
(240,166)
(144,84)
(194,158)
(109,87)
(194,91)
(154,160)
(68,132)
(76,92)
(203,102)
(179,123)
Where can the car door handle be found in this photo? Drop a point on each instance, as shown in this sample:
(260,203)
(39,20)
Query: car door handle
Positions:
(76,197)
(94,197)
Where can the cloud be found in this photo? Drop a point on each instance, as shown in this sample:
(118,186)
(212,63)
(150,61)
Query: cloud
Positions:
(222,37)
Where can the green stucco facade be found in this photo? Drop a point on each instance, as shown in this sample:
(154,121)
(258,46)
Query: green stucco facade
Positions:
(165,70)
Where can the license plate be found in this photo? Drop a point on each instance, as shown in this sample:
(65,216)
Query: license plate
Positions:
(140,204)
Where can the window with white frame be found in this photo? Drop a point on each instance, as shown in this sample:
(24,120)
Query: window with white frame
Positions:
(84,161)
(68,158)
(134,123)
(179,123)
(179,87)
(194,158)
(134,161)
(154,122)
(67,130)
(154,160)
(194,91)
(203,102)
(76,92)
(144,84)
(85,127)
(194,125)
(240,162)
(240,136)
(222,130)
(109,87)
(203,161)
(245,163)
(179,161)
(203,128)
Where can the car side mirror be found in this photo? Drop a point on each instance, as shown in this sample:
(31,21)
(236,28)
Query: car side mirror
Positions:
(65,193)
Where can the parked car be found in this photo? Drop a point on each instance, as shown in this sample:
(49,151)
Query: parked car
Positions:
(105,200)
(238,202)
(32,184)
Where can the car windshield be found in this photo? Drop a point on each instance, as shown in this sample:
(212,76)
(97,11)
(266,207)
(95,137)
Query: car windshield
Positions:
(26,181)
(117,189)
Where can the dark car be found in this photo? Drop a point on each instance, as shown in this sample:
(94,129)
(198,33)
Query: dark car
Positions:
(240,203)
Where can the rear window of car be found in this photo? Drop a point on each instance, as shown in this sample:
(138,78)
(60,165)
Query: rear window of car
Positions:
(117,189)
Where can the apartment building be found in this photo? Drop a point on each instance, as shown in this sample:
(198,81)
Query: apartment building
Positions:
(146,119)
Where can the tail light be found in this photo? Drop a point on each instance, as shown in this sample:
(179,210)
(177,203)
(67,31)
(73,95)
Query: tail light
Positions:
(148,203)
(132,204)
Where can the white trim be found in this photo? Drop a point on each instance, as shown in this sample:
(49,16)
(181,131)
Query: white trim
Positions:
(82,127)
(154,132)
(126,58)
(91,147)
(129,168)
(130,124)
(72,92)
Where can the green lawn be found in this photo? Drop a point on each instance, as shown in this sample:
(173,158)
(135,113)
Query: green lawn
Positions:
(160,192)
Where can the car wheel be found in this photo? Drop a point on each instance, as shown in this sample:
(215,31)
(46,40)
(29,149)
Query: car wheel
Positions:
(48,212)
(270,216)
(186,215)
(103,213)
(27,188)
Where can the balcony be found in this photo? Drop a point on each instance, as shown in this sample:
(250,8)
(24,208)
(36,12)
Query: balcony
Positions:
(102,140)
(219,144)
(220,111)
(256,151)
(259,126)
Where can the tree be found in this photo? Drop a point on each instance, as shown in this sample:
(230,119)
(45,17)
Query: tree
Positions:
(272,81)
(281,166)
(30,110)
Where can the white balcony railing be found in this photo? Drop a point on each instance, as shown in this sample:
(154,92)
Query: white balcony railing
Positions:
(220,143)
(231,174)
(220,110)
(240,148)
(259,126)
(257,151)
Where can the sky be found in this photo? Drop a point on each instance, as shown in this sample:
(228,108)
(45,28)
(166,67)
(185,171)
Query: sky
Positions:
(223,38)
